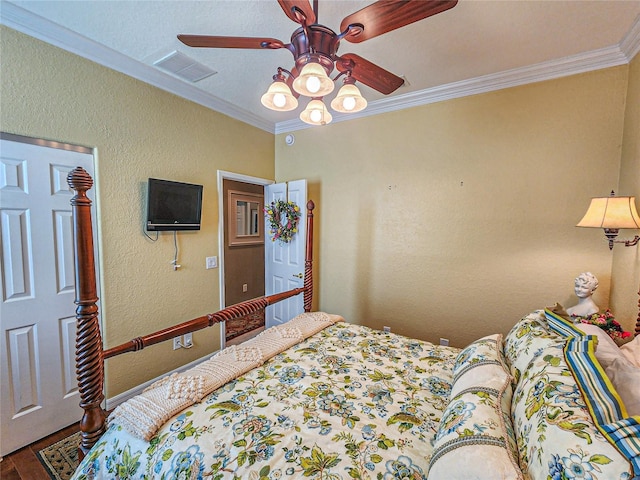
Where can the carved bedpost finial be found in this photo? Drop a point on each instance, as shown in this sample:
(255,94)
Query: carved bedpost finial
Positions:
(79,180)
(89,367)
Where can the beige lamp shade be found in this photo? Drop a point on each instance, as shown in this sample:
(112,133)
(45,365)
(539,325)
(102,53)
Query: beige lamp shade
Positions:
(313,81)
(316,113)
(349,100)
(611,213)
(279,97)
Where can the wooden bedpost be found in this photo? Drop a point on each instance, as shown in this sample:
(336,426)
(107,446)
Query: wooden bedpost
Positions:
(308,262)
(89,363)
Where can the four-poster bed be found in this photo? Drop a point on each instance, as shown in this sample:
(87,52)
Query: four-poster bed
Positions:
(90,354)
(318,397)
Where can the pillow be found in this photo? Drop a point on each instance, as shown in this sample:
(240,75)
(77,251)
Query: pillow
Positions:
(526,340)
(603,400)
(479,363)
(631,351)
(552,422)
(625,377)
(473,441)
(606,350)
(559,323)
(619,366)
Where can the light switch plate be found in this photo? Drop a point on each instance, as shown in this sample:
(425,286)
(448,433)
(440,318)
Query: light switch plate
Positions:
(212,262)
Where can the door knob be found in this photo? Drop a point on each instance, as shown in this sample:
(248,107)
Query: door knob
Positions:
(298,275)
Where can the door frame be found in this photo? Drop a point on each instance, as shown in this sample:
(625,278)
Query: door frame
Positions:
(225,175)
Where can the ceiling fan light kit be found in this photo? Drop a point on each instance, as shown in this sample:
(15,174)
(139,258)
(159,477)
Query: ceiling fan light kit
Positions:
(349,99)
(279,97)
(313,81)
(314,48)
(316,113)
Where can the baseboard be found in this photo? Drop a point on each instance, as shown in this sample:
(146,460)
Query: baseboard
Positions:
(113,402)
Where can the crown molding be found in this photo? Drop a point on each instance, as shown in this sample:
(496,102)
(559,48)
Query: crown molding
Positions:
(585,62)
(614,56)
(630,44)
(39,27)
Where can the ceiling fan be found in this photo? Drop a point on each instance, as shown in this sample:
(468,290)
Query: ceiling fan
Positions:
(314,48)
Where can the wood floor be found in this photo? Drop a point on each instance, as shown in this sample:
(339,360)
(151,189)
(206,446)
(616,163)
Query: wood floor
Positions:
(23,464)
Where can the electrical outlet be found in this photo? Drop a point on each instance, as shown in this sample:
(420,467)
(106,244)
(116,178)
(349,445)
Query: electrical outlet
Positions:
(444,342)
(176,343)
(386,329)
(245,287)
(188,340)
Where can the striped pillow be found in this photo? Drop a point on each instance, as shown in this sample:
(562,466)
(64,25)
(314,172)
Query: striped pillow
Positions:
(604,403)
(556,433)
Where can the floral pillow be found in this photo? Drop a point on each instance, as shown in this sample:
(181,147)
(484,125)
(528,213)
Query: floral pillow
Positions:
(526,340)
(474,439)
(556,435)
(479,362)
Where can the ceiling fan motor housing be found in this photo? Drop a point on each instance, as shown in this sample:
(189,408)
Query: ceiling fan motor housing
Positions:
(318,44)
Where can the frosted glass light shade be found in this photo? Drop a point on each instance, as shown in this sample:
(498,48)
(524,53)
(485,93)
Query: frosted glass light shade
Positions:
(611,213)
(279,97)
(349,100)
(313,81)
(316,113)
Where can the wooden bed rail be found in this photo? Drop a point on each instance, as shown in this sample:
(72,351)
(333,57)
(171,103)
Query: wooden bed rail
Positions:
(90,354)
(234,311)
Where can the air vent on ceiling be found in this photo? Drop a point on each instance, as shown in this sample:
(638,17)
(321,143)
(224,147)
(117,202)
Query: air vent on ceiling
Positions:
(184,67)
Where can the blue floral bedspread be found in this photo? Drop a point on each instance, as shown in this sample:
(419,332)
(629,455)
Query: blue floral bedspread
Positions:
(349,402)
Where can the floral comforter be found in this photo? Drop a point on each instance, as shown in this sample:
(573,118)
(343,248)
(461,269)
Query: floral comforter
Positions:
(348,402)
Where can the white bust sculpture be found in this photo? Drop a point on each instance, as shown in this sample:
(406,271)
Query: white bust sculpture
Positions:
(585,284)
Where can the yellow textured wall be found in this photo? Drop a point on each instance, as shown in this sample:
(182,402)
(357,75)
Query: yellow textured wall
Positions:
(626,260)
(455,219)
(446,220)
(138,131)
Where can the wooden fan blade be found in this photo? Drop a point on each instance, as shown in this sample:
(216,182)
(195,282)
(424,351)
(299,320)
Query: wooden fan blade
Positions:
(387,15)
(210,41)
(303,5)
(369,73)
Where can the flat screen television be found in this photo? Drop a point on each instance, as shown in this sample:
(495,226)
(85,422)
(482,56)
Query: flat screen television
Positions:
(173,205)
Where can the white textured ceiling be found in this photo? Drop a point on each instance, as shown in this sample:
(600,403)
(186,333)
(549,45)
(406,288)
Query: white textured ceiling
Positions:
(476,46)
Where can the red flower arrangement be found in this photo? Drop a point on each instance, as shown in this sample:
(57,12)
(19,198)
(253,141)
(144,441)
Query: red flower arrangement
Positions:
(608,323)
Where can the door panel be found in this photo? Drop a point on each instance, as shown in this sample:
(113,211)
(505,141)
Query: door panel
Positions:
(284,263)
(16,255)
(38,388)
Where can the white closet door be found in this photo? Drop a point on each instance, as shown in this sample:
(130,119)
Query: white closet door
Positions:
(39,393)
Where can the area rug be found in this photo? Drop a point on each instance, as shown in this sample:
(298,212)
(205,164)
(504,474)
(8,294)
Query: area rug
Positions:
(239,326)
(61,459)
